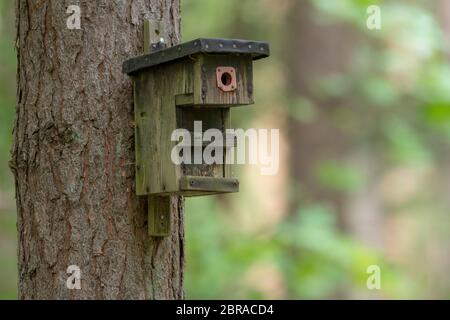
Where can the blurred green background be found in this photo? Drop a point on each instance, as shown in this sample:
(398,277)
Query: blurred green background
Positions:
(364,179)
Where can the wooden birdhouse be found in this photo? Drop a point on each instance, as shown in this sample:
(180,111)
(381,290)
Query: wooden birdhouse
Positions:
(177,88)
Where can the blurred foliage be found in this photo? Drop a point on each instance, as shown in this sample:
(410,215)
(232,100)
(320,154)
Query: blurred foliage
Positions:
(314,258)
(7,87)
(340,177)
(399,110)
(8,264)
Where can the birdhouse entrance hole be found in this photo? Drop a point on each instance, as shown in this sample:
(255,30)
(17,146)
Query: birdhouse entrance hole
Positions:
(226,78)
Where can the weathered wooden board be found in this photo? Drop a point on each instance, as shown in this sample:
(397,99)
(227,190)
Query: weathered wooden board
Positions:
(209,184)
(155,117)
(158,216)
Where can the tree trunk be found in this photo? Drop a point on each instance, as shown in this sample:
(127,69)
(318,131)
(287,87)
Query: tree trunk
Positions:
(73,155)
(316,51)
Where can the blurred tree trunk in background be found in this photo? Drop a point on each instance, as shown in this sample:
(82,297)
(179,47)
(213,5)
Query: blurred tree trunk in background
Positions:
(315,52)
(318,51)
(73,155)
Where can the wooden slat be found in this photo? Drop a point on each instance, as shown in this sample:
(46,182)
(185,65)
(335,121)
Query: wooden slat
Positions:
(184,99)
(191,183)
(159,216)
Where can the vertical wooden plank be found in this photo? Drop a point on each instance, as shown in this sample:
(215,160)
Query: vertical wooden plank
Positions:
(168,82)
(142,127)
(155,161)
(153,32)
(168,125)
(158,207)
(159,216)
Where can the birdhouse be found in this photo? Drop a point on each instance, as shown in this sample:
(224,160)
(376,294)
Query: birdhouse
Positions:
(188,86)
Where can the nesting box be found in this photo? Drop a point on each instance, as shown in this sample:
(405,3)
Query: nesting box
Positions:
(173,88)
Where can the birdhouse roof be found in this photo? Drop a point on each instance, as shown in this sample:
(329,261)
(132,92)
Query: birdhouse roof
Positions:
(256,49)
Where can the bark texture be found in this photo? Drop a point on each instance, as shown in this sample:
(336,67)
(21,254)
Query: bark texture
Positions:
(73,155)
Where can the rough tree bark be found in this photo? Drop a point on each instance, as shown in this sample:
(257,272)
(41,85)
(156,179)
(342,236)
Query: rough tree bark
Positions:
(73,155)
